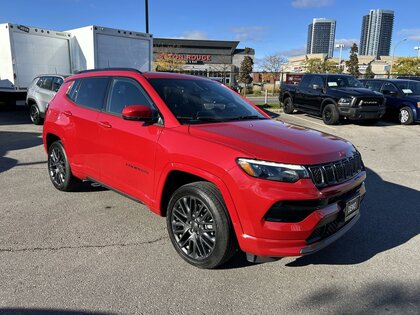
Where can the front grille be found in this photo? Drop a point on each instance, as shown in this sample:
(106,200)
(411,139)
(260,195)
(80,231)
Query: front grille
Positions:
(337,172)
(368,102)
(326,230)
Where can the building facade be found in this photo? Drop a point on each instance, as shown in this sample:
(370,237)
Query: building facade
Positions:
(376,34)
(321,36)
(215,59)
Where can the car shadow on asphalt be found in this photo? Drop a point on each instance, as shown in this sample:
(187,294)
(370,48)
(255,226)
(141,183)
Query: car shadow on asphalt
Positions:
(15,116)
(390,217)
(15,140)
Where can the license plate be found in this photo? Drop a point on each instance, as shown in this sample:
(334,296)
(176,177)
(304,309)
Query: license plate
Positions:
(352,208)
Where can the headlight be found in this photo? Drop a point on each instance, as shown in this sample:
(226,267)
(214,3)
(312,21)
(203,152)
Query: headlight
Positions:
(345,101)
(289,173)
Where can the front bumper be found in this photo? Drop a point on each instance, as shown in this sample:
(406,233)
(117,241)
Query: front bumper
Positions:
(361,112)
(320,228)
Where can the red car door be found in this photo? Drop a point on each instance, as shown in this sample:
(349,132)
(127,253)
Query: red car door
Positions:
(128,148)
(87,97)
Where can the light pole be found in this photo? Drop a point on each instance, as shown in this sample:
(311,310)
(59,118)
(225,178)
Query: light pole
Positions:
(341,46)
(393,55)
(146,13)
(418,51)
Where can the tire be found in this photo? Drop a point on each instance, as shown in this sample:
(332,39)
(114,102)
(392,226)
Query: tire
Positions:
(59,168)
(288,106)
(330,115)
(199,227)
(35,115)
(405,116)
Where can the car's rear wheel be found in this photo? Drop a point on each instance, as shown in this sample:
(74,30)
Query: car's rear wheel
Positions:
(330,115)
(59,168)
(288,106)
(405,116)
(35,115)
(199,226)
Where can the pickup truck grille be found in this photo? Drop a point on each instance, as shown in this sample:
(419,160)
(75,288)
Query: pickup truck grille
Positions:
(336,172)
(368,102)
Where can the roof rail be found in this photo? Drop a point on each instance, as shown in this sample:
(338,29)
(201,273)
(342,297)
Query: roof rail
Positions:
(110,69)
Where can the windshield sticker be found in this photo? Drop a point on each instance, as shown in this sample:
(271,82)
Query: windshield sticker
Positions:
(407,91)
(332,84)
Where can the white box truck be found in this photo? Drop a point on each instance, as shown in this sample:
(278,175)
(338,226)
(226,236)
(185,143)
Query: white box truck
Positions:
(94,47)
(26,52)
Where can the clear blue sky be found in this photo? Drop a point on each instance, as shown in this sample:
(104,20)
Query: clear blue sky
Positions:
(269,26)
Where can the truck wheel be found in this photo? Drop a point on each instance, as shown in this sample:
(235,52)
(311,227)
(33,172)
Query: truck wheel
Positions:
(406,116)
(35,115)
(199,226)
(330,115)
(288,106)
(59,168)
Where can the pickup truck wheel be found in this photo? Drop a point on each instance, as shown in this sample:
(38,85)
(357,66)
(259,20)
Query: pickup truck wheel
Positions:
(288,106)
(35,115)
(330,115)
(406,116)
(59,168)
(199,226)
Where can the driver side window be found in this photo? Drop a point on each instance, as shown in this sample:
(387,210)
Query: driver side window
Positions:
(125,92)
(389,87)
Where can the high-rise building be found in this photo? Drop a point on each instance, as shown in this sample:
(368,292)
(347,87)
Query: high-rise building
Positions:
(376,35)
(321,37)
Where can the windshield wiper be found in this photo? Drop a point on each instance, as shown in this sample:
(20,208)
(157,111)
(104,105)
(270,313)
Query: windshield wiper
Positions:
(246,117)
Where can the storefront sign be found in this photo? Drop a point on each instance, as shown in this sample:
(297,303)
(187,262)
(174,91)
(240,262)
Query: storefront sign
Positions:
(188,58)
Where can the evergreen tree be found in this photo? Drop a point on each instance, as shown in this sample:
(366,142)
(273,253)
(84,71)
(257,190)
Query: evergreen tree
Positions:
(245,70)
(353,62)
(369,73)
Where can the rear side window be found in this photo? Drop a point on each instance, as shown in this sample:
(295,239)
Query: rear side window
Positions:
(126,92)
(57,82)
(47,83)
(306,81)
(374,85)
(89,92)
(39,82)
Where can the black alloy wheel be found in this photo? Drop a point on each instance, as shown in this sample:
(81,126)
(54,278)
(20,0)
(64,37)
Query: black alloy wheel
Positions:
(35,115)
(198,225)
(59,168)
(288,106)
(330,115)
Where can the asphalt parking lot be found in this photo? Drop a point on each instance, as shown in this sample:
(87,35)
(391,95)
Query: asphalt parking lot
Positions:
(96,251)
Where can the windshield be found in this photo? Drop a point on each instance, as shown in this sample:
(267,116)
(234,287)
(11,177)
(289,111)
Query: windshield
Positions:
(203,101)
(338,82)
(409,87)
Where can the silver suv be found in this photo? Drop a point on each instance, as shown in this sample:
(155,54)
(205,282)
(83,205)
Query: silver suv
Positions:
(40,92)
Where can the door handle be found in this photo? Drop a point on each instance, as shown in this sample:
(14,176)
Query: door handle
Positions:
(105,124)
(67,113)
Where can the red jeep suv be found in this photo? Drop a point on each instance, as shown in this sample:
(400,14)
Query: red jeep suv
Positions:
(222,172)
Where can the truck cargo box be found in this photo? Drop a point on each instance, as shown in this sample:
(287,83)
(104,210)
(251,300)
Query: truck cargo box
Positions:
(94,47)
(26,52)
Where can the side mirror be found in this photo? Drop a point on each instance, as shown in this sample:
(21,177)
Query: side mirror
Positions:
(138,113)
(389,92)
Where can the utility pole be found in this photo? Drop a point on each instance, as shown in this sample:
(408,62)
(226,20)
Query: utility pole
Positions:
(146,12)
(418,51)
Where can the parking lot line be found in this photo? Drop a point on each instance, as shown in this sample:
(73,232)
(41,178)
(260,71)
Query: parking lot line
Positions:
(314,122)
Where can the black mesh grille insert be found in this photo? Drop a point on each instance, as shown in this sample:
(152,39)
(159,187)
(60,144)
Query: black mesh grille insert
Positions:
(337,172)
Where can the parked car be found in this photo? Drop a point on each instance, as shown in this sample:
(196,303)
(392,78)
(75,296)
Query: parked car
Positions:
(402,97)
(409,77)
(40,92)
(332,96)
(222,172)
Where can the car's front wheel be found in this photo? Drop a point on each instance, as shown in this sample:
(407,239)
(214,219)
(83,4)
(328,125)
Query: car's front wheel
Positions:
(330,115)
(199,226)
(59,168)
(406,116)
(35,115)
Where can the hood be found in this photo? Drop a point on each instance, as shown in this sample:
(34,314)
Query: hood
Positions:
(356,92)
(275,141)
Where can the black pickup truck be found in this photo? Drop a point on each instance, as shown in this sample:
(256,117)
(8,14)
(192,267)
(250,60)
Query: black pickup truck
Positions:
(333,96)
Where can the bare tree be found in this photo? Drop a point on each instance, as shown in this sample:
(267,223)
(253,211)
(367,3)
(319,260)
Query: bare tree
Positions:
(273,64)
